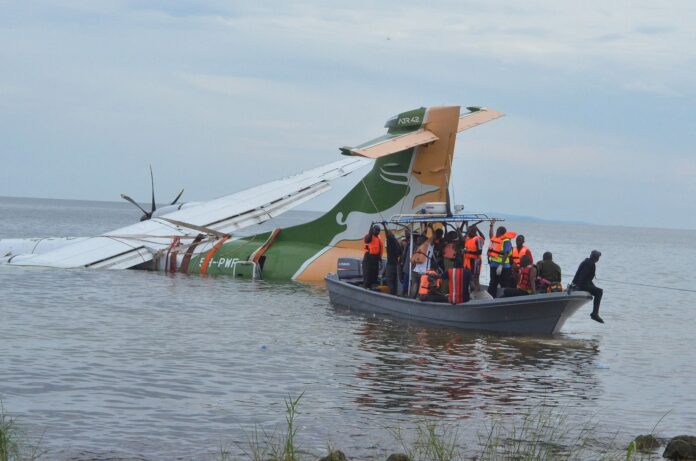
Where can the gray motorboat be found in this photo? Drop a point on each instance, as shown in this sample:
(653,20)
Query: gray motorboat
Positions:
(536,314)
(540,314)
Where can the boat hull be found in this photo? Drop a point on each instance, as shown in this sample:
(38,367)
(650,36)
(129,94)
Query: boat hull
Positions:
(542,314)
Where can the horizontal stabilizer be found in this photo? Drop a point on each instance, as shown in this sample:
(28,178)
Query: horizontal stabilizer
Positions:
(392,145)
(477,116)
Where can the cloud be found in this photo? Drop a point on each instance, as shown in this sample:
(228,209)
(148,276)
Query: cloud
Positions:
(212,82)
(652,88)
(654,29)
(247,87)
(511,31)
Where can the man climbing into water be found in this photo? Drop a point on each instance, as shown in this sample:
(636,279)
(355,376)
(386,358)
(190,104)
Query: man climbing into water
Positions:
(583,281)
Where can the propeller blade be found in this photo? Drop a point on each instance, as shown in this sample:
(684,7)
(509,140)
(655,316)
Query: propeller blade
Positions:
(127,198)
(177,197)
(152,181)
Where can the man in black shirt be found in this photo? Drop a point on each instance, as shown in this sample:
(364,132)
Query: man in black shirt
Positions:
(583,281)
(393,257)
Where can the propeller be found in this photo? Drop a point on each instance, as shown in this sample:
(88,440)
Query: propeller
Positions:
(148,214)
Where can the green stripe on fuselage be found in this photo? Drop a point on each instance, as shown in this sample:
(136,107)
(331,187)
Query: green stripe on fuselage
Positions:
(297,244)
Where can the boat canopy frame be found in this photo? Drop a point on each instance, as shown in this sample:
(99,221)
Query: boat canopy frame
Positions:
(408,222)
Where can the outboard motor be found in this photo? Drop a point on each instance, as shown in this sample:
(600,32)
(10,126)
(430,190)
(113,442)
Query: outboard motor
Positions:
(349,270)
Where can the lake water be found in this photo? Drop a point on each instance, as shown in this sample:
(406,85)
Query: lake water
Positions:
(137,365)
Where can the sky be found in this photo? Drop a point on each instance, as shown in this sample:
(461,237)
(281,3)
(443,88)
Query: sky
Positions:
(218,96)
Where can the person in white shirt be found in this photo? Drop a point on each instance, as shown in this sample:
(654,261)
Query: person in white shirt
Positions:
(421,261)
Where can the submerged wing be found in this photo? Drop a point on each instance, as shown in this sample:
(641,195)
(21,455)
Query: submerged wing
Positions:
(136,244)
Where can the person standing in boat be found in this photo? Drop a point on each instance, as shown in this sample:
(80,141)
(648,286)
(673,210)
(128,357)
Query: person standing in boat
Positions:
(421,261)
(438,249)
(499,251)
(449,251)
(405,261)
(519,250)
(373,255)
(473,249)
(583,281)
(393,256)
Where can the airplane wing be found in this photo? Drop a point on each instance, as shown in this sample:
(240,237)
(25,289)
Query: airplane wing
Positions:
(136,244)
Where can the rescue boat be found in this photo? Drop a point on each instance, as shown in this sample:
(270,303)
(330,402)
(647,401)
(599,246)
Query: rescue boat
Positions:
(536,314)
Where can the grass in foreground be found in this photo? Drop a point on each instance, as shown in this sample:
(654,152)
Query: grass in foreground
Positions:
(541,434)
(13,446)
(262,446)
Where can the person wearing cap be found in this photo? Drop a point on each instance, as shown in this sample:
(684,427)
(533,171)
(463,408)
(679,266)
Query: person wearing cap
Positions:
(583,281)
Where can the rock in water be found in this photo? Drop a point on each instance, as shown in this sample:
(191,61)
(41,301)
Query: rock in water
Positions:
(398,457)
(646,442)
(681,447)
(336,455)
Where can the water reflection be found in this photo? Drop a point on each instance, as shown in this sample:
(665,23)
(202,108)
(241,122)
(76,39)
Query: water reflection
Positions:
(433,371)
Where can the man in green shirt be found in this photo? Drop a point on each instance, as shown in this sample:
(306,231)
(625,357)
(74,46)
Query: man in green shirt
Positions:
(549,270)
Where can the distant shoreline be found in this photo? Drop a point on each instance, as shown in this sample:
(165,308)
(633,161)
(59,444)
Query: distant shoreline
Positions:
(505,216)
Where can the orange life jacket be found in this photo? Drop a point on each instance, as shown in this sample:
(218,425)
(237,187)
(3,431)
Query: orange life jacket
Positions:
(473,247)
(429,283)
(495,249)
(374,246)
(525,282)
(421,254)
(458,291)
(516,254)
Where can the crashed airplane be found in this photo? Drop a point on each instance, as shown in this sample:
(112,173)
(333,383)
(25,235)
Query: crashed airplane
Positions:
(411,166)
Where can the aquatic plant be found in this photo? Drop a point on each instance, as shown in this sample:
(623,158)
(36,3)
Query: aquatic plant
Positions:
(289,452)
(540,433)
(264,446)
(434,441)
(13,446)
(630,450)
